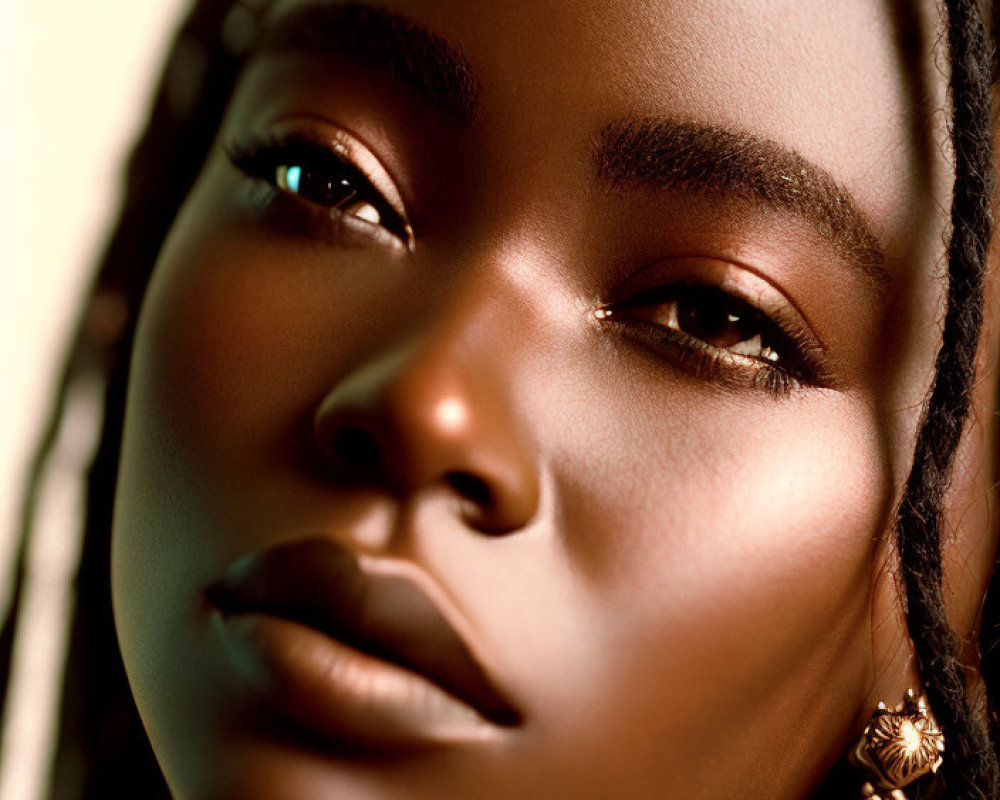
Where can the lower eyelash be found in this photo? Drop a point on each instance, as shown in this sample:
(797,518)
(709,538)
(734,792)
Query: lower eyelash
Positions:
(718,366)
(775,381)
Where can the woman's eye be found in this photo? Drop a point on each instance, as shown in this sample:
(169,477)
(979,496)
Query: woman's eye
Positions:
(717,335)
(712,317)
(322,178)
(324,188)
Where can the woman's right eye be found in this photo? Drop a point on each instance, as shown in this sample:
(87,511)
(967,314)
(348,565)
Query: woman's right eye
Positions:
(324,188)
(320,177)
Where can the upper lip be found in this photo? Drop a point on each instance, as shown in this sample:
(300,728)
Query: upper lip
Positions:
(319,583)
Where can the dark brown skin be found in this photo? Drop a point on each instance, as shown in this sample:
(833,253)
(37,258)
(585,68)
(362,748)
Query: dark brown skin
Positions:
(679,577)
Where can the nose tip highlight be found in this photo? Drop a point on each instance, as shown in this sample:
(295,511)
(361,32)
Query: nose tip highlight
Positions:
(423,423)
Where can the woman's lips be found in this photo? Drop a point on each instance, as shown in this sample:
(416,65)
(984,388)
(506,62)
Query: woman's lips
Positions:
(350,653)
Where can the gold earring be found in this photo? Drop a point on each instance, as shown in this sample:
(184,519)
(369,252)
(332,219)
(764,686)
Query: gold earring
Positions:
(898,747)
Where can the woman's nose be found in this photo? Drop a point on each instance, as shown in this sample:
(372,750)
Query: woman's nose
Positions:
(436,413)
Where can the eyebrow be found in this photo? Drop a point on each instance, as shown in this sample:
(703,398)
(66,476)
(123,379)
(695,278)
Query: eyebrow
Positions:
(708,160)
(381,40)
(656,153)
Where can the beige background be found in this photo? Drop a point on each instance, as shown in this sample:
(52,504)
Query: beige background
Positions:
(74,80)
(73,83)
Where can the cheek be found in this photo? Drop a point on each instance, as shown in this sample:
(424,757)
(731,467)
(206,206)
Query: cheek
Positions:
(230,362)
(765,544)
(224,346)
(725,563)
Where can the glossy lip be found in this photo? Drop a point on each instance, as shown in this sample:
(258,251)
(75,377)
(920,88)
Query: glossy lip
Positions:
(351,652)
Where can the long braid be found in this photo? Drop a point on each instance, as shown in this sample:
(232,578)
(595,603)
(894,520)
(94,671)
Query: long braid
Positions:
(970,770)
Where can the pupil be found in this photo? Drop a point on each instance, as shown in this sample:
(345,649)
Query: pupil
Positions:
(716,319)
(317,187)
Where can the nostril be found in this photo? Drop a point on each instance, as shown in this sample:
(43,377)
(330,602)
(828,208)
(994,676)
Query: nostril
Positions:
(425,433)
(470,487)
(356,449)
(475,491)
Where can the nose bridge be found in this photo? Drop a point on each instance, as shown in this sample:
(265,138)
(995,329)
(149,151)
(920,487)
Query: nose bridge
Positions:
(453,366)
(439,407)
(478,309)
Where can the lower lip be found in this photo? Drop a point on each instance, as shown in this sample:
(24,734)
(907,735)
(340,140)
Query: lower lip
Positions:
(341,692)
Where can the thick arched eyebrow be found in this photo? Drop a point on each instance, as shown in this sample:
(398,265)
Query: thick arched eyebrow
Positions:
(382,41)
(705,159)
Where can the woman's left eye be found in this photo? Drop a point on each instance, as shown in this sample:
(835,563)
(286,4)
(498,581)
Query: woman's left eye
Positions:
(714,333)
(713,317)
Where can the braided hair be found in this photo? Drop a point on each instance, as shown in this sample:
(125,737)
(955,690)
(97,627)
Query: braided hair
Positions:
(102,745)
(971,768)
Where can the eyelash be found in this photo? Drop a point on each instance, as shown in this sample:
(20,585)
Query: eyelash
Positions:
(795,360)
(264,158)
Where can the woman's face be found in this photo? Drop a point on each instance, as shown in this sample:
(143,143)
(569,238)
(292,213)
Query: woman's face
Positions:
(547,370)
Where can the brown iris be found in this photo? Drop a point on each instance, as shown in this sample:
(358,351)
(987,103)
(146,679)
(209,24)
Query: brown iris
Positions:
(707,315)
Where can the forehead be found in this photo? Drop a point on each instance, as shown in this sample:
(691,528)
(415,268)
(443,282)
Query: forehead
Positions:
(852,86)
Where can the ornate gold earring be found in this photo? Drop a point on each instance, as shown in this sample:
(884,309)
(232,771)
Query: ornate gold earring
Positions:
(898,747)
